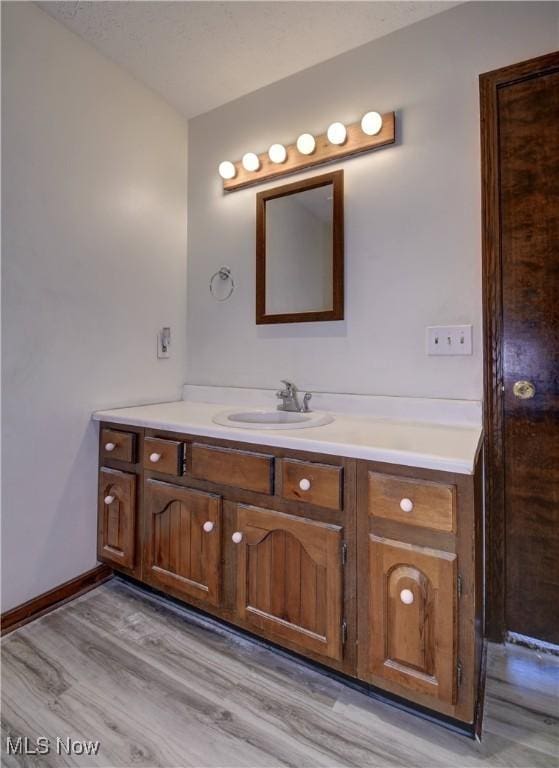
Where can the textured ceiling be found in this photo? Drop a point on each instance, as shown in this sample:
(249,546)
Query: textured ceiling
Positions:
(199,55)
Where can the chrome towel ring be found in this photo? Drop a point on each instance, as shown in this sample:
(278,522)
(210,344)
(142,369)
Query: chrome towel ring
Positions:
(224,273)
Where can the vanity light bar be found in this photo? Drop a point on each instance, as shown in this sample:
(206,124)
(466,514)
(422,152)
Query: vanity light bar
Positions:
(357,139)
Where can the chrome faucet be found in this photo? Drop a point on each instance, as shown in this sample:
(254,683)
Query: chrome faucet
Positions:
(290,398)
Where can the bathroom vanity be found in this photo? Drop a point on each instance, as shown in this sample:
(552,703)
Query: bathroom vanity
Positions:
(356,544)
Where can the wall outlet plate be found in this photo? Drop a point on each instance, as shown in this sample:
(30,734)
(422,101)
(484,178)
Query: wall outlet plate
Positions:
(449,340)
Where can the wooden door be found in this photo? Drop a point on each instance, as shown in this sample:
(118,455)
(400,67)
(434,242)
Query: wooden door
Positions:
(413,617)
(116,527)
(183,541)
(290,579)
(520,113)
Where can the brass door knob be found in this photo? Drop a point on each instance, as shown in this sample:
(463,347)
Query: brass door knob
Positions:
(523,389)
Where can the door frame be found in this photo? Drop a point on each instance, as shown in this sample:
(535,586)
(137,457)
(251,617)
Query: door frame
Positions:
(493,416)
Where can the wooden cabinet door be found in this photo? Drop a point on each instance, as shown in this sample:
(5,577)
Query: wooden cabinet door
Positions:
(183,540)
(116,528)
(290,579)
(412,615)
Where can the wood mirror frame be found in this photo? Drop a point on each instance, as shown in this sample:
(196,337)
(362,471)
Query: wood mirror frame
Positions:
(336,179)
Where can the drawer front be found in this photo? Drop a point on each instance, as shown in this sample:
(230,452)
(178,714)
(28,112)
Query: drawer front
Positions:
(241,469)
(118,445)
(165,456)
(318,484)
(416,502)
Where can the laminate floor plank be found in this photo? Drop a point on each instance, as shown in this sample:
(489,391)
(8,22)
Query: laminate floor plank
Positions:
(158,685)
(524,698)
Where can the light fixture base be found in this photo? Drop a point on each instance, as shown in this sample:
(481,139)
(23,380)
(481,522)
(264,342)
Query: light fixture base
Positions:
(356,143)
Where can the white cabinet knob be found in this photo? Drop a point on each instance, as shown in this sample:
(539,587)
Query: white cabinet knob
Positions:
(154,457)
(406,505)
(304,484)
(406,596)
(110,447)
(109,499)
(237,537)
(208,526)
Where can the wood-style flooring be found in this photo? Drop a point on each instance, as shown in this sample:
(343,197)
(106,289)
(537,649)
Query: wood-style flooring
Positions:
(159,686)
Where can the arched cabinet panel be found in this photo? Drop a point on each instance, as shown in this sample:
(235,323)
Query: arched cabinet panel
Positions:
(290,578)
(183,540)
(117,517)
(409,624)
(412,614)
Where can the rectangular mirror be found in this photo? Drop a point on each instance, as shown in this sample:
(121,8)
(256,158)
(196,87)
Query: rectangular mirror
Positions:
(300,251)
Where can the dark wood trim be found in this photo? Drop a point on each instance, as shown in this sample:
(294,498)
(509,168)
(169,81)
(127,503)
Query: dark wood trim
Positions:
(336,179)
(48,601)
(489,84)
(480,703)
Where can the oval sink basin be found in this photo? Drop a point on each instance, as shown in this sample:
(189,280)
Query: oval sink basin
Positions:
(253,419)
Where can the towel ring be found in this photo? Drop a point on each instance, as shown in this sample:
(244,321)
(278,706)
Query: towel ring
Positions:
(224,273)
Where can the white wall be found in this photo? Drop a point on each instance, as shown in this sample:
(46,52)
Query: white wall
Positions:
(412,212)
(94,262)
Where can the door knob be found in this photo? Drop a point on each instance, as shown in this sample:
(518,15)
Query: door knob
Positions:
(523,389)
(208,526)
(109,499)
(237,537)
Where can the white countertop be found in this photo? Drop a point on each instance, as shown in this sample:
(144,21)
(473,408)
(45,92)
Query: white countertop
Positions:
(447,447)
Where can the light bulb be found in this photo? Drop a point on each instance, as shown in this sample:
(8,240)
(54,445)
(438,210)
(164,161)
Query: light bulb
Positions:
(306,144)
(227,170)
(337,133)
(371,123)
(277,153)
(251,162)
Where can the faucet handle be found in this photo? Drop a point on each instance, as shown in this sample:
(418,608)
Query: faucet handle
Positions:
(306,399)
(289,385)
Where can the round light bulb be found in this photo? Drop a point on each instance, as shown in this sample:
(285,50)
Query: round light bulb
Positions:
(277,153)
(251,162)
(371,123)
(306,144)
(337,133)
(227,170)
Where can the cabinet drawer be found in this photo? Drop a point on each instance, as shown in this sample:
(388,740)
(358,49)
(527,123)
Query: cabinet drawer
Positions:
(416,502)
(241,469)
(313,483)
(116,528)
(165,456)
(118,445)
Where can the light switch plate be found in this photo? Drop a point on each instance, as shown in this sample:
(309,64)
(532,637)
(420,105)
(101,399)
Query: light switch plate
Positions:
(449,340)
(163,343)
